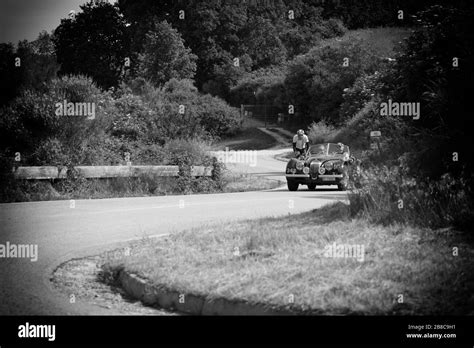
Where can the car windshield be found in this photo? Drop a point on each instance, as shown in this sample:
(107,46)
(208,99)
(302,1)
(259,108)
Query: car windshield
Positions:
(319,149)
(338,149)
(329,149)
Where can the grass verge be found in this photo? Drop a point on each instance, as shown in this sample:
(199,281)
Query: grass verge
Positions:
(284,262)
(235,182)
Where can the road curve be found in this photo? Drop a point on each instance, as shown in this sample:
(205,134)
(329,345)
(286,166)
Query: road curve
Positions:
(92,226)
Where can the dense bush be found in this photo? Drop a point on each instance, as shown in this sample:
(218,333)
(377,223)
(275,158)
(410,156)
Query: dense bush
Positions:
(187,152)
(388,195)
(426,72)
(144,129)
(320,132)
(34,117)
(203,115)
(33,126)
(139,124)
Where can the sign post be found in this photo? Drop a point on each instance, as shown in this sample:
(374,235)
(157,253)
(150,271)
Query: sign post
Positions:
(375,137)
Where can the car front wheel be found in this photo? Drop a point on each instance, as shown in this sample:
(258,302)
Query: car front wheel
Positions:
(292,186)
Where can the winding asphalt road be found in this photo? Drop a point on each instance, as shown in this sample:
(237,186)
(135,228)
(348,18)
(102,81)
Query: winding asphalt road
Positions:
(92,226)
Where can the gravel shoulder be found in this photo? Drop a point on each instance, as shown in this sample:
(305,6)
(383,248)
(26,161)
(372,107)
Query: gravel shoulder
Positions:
(79,278)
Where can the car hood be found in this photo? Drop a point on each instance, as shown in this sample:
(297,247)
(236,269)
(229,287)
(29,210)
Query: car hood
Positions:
(343,157)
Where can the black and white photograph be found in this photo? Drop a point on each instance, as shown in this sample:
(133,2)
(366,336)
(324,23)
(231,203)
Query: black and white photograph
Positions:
(236,171)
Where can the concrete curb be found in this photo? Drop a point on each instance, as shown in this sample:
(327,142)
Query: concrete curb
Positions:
(160,296)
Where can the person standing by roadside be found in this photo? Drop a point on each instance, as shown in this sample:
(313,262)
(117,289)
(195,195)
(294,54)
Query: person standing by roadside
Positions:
(300,143)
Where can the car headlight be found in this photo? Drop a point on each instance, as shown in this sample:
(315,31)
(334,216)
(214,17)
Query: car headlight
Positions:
(321,170)
(329,166)
(306,170)
(299,165)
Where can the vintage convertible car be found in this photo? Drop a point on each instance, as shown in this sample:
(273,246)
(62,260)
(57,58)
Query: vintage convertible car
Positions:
(324,164)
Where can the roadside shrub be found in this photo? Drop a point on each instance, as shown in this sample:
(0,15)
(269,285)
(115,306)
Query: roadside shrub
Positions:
(130,118)
(216,116)
(321,132)
(187,152)
(102,150)
(50,152)
(386,195)
(333,27)
(29,119)
(31,125)
(157,110)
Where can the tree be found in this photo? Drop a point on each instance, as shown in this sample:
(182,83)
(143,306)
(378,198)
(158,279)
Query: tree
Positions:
(94,43)
(9,74)
(436,69)
(263,44)
(36,65)
(165,57)
(39,63)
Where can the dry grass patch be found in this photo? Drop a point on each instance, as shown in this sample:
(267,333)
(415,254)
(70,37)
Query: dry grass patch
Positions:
(277,260)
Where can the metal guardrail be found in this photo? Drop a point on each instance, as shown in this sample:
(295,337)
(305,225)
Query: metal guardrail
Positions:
(51,172)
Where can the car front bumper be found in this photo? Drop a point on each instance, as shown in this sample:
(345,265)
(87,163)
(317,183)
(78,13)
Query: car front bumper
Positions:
(320,176)
(320,179)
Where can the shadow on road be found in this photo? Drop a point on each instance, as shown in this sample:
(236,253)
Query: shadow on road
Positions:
(336,196)
(304,189)
(323,193)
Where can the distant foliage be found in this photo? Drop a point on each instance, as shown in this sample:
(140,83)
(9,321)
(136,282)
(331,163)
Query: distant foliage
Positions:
(316,81)
(219,31)
(263,86)
(365,14)
(28,66)
(359,94)
(38,61)
(164,56)
(263,44)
